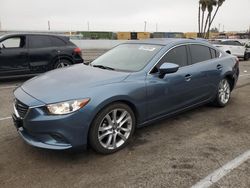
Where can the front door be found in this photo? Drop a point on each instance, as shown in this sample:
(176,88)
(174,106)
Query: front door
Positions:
(14,56)
(168,94)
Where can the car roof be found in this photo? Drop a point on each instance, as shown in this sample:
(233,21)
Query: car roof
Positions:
(32,34)
(166,41)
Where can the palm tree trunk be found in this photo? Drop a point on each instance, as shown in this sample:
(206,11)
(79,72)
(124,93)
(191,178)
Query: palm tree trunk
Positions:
(209,25)
(205,26)
(202,22)
(199,20)
(214,15)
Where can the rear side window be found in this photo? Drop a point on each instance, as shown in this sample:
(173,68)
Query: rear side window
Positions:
(199,53)
(57,41)
(177,55)
(40,42)
(232,43)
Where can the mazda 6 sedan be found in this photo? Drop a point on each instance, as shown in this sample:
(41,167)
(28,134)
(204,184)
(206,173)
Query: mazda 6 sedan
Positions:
(130,86)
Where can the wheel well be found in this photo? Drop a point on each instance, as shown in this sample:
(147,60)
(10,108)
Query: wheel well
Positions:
(228,52)
(231,81)
(58,58)
(131,105)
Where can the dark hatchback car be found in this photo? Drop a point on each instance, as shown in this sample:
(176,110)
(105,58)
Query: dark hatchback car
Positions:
(30,54)
(130,86)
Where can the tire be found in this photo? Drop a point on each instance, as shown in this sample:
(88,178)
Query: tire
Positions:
(62,63)
(223,93)
(107,137)
(247,56)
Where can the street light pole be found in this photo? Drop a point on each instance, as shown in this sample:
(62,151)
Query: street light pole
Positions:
(145,26)
(48,25)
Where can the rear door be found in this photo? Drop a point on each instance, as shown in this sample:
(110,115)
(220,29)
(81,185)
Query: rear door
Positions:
(205,70)
(41,53)
(14,56)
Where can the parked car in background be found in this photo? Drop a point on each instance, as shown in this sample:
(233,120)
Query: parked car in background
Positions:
(247,45)
(130,86)
(231,46)
(31,54)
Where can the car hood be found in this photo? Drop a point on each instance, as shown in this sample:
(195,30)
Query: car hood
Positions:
(70,83)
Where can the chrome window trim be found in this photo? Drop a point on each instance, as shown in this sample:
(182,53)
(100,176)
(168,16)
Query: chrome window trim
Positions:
(178,45)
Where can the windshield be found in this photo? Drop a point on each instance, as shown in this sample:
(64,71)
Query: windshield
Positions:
(127,57)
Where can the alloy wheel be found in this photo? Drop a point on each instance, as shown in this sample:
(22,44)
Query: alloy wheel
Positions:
(224,91)
(115,128)
(62,64)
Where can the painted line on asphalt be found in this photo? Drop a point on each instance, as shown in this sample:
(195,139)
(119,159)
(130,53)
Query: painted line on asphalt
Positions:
(221,172)
(242,75)
(1,119)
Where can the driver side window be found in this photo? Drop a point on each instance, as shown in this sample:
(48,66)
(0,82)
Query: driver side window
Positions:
(177,55)
(13,42)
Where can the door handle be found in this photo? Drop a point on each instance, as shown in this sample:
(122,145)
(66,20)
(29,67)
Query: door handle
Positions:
(219,67)
(188,77)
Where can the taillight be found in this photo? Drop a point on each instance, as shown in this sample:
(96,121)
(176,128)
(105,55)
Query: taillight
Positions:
(78,51)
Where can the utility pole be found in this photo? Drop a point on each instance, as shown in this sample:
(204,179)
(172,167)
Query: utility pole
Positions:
(48,25)
(88,26)
(145,26)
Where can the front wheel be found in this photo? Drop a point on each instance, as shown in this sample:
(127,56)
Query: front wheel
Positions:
(223,93)
(112,128)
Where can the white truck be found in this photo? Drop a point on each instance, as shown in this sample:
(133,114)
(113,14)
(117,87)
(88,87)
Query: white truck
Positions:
(231,46)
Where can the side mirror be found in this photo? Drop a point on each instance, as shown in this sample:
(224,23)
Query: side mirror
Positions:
(168,68)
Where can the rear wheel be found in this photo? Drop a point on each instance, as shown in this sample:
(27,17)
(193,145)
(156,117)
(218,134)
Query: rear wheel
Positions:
(112,128)
(62,63)
(223,93)
(247,56)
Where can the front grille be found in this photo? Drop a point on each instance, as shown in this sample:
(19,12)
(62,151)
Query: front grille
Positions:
(21,108)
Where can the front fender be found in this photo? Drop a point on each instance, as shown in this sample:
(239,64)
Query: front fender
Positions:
(134,94)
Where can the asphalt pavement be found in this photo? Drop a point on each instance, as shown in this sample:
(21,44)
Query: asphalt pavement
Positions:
(176,152)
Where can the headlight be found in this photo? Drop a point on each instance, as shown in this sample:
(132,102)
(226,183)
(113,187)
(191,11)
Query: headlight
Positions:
(67,107)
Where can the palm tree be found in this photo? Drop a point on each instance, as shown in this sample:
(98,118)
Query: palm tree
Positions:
(199,19)
(203,4)
(219,4)
(210,5)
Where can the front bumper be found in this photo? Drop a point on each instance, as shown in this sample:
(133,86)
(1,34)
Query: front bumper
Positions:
(57,132)
(40,141)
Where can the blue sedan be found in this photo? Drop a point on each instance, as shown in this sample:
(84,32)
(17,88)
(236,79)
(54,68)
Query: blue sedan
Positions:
(130,86)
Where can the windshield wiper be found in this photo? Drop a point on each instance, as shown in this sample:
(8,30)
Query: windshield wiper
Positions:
(103,67)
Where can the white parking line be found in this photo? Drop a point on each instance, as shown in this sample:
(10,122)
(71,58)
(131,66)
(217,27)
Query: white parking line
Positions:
(1,119)
(221,172)
(244,75)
